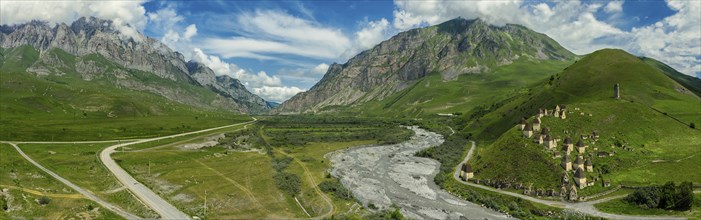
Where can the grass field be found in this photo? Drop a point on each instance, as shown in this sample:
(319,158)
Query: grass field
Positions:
(79,164)
(618,206)
(26,184)
(241,184)
(312,167)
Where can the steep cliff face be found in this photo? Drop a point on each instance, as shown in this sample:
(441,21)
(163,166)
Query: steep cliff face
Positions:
(88,37)
(455,47)
(226,86)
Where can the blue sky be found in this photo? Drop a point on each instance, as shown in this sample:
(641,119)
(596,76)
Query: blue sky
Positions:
(279,48)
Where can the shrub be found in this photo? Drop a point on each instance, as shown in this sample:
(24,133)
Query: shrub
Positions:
(44,200)
(692,125)
(287,182)
(668,196)
(336,188)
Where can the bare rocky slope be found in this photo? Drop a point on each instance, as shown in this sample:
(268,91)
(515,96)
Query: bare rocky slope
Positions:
(458,46)
(93,36)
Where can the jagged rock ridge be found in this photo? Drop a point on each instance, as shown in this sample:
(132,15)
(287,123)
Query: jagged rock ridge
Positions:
(87,36)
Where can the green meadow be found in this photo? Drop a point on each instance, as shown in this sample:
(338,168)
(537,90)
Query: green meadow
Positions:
(27,184)
(79,163)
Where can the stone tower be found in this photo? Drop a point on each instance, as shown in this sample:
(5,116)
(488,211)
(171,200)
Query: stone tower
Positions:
(617,91)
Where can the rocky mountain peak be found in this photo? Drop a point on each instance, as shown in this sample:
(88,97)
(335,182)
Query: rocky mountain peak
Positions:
(455,47)
(90,35)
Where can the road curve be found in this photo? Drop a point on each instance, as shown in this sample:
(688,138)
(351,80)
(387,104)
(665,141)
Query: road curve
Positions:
(583,207)
(82,191)
(148,197)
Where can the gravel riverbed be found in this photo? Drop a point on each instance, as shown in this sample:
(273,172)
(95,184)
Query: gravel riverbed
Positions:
(391,174)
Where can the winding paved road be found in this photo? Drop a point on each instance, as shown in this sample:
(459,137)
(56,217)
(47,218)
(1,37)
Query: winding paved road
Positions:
(146,195)
(583,207)
(82,191)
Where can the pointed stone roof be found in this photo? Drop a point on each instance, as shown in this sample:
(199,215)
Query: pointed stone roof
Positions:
(565,159)
(528,127)
(579,160)
(536,121)
(588,162)
(580,143)
(523,121)
(547,138)
(568,140)
(545,130)
(579,173)
(565,148)
(466,168)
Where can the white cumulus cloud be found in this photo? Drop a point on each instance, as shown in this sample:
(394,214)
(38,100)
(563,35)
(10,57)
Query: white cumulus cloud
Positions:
(674,40)
(277,94)
(128,16)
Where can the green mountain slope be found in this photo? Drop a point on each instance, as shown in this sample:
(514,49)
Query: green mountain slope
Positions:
(690,82)
(648,128)
(432,95)
(68,107)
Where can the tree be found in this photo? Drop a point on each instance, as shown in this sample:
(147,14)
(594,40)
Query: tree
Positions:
(685,198)
(692,125)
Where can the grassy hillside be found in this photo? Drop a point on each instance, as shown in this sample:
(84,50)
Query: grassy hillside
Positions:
(431,94)
(648,127)
(67,107)
(690,82)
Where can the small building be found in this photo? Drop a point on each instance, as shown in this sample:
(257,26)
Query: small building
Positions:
(538,139)
(466,172)
(595,135)
(541,112)
(568,144)
(617,91)
(563,115)
(563,190)
(565,178)
(545,131)
(566,163)
(527,131)
(536,124)
(578,163)
(549,142)
(607,183)
(580,178)
(581,147)
(572,194)
(557,154)
(522,124)
(602,154)
(588,165)
(557,108)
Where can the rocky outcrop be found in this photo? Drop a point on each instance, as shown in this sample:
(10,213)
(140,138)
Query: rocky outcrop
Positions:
(89,36)
(455,47)
(226,86)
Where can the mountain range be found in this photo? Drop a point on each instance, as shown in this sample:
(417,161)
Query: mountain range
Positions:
(89,36)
